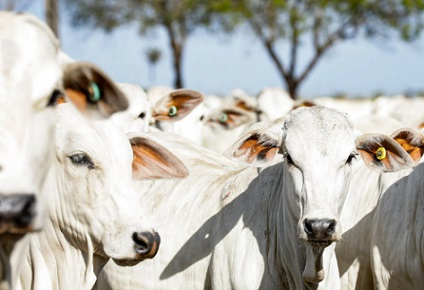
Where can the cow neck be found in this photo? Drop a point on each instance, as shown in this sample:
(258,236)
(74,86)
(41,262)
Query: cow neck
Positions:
(63,246)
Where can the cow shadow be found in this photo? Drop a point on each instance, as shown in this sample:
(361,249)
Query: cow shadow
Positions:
(359,238)
(250,206)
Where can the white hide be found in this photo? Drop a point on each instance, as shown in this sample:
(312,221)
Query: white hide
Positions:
(31,67)
(397,228)
(91,206)
(404,109)
(378,124)
(274,103)
(355,108)
(224,218)
(218,134)
(138,116)
(26,46)
(365,190)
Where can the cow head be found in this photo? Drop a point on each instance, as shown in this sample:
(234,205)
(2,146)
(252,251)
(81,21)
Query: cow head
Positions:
(319,147)
(96,203)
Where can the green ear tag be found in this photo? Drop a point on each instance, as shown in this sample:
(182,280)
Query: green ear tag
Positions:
(223,118)
(95,94)
(172,111)
(381,153)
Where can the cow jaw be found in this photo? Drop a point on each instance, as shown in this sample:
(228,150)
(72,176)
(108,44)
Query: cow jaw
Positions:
(317,259)
(98,203)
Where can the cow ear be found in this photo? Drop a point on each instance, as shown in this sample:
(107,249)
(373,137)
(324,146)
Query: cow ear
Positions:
(92,91)
(382,153)
(256,148)
(152,160)
(176,105)
(412,142)
(230,118)
(243,105)
(304,103)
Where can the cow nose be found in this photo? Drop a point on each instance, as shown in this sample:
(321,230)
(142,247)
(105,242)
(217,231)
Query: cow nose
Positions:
(17,212)
(146,244)
(319,229)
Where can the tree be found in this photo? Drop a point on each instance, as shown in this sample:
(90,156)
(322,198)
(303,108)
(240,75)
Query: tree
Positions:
(14,5)
(178,18)
(52,15)
(153,56)
(319,23)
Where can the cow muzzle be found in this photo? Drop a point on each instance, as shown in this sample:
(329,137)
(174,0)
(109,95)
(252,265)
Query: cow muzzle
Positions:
(146,244)
(320,232)
(17,213)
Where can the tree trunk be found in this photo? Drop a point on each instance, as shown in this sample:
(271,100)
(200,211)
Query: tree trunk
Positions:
(177,44)
(177,49)
(52,16)
(292,87)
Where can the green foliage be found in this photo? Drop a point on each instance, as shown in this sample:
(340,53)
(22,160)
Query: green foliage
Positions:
(153,55)
(183,15)
(324,22)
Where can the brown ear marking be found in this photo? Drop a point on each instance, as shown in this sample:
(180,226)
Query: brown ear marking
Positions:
(242,104)
(411,141)
(382,153)
(57,97)
(179,103)
(304,104)
(230,118)
(152,160)
(89,85)
(253,148)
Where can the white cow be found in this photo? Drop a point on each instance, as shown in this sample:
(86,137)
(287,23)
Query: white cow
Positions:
(274,103)
(406,110)
(224,126)
(393,229)
(228,226)
(364,191)
(92,211)
(31,67)
(355,108)
(170,112)
(378,124)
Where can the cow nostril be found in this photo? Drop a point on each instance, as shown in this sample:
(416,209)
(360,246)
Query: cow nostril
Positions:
(331,227)
(308,226)
(17,212)
(142,242)
(319,229)
(27,212)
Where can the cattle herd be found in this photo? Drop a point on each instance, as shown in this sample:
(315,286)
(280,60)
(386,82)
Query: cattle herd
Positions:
(106,186)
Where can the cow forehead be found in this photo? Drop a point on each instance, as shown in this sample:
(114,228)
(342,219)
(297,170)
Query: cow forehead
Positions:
(75,133)
(318,131)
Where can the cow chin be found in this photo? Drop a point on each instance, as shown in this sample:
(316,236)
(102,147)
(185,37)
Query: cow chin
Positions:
(145,245)
(319,246)
(126,262)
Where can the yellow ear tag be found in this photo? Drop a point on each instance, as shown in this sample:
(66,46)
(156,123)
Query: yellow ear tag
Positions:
(381,153)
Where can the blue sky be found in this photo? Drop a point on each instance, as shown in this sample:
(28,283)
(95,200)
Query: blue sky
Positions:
(217,64)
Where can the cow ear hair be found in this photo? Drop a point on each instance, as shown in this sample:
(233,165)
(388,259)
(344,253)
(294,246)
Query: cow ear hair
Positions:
(152,161)
(92,91)
(256,148)
(382,153)
(412,142)
(176,105)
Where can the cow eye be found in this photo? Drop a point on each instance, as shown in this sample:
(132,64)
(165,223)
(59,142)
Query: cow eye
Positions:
(142,115)
(81,159)
(351,157)
(288,158)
